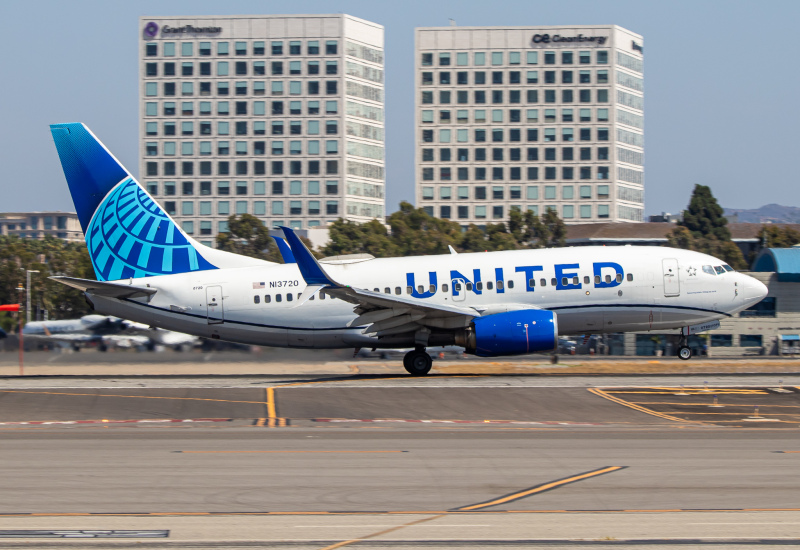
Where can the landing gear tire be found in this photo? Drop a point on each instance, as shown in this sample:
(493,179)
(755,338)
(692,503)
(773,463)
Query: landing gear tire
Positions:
(417,363)
(685,353)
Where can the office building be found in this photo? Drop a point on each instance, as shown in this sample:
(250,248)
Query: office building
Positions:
(280,117)
(38,225)
(532,117)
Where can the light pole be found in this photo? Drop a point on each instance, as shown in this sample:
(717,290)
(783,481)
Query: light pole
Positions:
(19,331)
(28,294)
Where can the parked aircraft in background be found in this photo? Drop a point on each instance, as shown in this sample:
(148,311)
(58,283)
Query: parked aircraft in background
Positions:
(105,332)
(491,304)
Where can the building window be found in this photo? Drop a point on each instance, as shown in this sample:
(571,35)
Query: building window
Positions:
(765,308)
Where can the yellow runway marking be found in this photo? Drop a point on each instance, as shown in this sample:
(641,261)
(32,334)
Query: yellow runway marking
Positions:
(288,452)
(132,396)
(696,391)
(620,401)
(398,512)
(379,533)
(707,403)
(541,488)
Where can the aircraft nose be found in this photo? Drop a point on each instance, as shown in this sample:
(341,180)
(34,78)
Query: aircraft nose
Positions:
(753,290)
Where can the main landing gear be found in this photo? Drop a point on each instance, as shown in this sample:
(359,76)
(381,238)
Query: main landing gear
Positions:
(417,362)
(684,351)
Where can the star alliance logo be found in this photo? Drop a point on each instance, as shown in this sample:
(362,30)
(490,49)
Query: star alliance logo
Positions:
(692,271)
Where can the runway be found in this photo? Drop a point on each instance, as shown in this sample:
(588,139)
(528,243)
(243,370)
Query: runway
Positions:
(370,462)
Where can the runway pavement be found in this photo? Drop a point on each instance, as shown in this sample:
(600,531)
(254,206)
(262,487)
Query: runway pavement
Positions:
(374,462)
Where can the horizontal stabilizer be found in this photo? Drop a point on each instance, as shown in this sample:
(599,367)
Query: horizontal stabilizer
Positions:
(108,290)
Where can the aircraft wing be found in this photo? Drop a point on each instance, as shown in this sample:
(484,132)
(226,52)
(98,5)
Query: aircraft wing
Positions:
(109,290)
(381,314)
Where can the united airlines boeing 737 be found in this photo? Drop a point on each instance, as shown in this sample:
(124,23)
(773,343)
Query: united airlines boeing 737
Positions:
(492,303)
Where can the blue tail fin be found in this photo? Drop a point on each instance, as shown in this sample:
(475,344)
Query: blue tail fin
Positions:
(127,232)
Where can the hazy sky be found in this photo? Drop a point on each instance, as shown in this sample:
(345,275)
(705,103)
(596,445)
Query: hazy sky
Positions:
(721,86)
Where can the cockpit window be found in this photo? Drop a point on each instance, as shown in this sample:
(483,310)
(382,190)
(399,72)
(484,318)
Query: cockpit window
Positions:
(708,269)
(728,268)
(719,269)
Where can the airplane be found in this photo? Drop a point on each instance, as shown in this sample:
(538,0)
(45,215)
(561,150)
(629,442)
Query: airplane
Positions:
(491,304)
(106,331)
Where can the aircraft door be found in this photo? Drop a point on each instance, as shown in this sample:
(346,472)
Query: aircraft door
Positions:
(459,287)
(672,284)
(214,308)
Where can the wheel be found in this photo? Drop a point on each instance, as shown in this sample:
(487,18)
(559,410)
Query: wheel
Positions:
(417,363)
(685,353)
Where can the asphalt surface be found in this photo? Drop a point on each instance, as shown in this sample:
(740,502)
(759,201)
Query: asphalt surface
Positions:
(374,462)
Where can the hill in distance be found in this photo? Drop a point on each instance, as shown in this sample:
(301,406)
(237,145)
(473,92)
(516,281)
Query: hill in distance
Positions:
(770,213)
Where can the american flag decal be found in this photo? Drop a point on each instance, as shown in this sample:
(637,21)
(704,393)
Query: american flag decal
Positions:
(259,285)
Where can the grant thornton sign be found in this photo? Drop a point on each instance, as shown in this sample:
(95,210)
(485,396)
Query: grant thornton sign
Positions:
(152,28)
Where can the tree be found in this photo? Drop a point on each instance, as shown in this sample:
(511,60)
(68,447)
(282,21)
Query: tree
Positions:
(704,229)
(248,236)
(49,256)
(775,236)
(417,233)
(347,237)
(556,229)
(704,217)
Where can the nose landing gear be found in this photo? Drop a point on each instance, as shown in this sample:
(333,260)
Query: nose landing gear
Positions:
(417,362)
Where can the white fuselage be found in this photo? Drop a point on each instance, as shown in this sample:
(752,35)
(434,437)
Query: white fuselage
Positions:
(660,288)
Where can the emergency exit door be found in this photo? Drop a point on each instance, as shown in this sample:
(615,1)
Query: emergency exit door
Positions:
(672,283)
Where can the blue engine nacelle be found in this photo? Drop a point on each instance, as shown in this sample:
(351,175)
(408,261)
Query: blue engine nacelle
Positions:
(511,333)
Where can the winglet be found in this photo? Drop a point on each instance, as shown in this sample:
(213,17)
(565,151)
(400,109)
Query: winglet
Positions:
(309,267)
(452,250)
(286,252)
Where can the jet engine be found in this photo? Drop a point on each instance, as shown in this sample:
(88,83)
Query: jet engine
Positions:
(510,333)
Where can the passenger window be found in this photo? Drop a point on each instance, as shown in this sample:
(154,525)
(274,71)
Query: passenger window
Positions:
(397,290)
(708,269)
(542,282)
(444,287)
(432,289)
(563,281)
(409,290)
(457,287)
(489,285)
(608,278)
(500,285)
(376,289)
(479,286)
(619,277)
(289,297)
(510,284)
(630,276)
(278,297)
(267,298)
(469,286)
(553,282)
(586,280)
(387,290)
(575,280)
(421,289)
(532,283)
(597,279)
(256,299)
